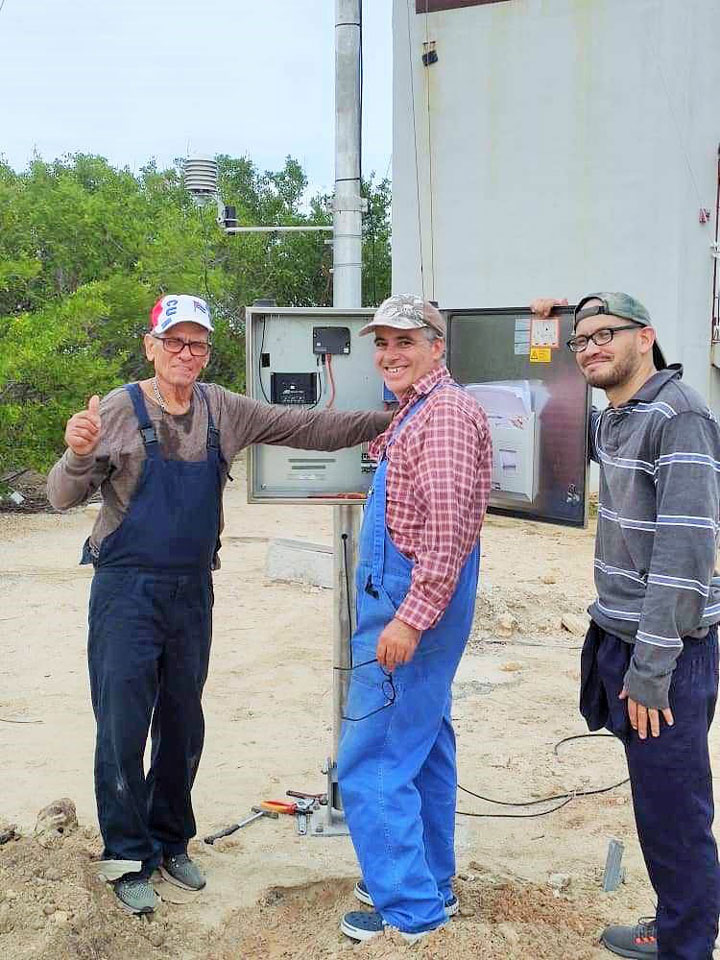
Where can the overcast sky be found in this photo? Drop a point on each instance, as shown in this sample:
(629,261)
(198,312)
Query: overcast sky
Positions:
(136,79)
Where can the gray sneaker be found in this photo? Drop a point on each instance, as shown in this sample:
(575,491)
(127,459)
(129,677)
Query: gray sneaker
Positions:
(637,943)
(135,894)
(182,872)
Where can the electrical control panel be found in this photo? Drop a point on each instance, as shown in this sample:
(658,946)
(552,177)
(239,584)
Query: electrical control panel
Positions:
(518,369)
(310,359)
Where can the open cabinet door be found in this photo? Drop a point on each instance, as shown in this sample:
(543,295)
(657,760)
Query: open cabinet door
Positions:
(520,370)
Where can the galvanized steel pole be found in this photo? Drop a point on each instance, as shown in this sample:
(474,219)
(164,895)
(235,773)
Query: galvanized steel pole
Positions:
(347,292)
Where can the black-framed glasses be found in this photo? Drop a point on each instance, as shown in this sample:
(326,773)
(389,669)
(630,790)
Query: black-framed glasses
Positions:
(197,348)
(387,686)
(579,343)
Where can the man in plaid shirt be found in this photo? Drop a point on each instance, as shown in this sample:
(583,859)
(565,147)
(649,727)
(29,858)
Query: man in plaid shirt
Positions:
(416,583)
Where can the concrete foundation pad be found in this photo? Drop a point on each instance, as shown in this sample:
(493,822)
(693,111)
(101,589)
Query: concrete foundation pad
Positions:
(300,561)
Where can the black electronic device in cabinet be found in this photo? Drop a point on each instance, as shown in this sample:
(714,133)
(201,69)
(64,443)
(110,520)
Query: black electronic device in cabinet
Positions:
(293,389)
(332,340)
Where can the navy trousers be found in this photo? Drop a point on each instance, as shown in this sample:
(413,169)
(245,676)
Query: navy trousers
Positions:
(671,783)
(148,652)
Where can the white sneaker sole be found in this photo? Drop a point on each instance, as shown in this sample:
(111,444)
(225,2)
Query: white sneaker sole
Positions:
(364,897)
(177,883)
(362,935)
(141,912)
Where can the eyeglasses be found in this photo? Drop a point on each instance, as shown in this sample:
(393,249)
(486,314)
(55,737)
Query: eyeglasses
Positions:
(387,687)
(197,348)
(599,338)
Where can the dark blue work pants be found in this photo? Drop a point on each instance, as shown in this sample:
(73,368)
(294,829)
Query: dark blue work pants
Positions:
(671,783)
(148,653)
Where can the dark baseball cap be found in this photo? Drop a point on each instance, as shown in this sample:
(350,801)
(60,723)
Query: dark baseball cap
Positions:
(618,305)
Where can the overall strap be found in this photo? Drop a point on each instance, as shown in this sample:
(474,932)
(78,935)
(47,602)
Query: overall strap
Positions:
(380,496)
(147,430)
(213,434)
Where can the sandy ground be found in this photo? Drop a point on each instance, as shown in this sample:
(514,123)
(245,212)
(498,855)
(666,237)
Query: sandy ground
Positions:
(272,894)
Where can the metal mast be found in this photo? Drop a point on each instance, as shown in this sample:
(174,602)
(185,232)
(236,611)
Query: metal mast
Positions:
(347,292)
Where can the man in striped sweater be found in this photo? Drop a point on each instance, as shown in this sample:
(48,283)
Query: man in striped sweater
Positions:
(650,660)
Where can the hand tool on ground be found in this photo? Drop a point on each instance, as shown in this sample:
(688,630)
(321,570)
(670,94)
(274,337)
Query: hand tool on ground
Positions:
(321,798)
(257,813)
(301,809)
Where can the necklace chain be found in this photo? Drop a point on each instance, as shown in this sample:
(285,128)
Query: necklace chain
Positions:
(158,396)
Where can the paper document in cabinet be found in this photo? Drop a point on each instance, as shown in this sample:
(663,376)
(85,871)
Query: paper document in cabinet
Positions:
(509,408)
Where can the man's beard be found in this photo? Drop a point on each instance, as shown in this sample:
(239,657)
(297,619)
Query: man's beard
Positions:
(615,375)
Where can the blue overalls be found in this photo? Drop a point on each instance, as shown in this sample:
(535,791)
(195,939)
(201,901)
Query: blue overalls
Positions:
(396,767)
(149,645)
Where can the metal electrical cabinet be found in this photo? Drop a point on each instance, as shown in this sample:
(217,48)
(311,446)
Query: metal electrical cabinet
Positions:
(302,356)
(538,405)
(517,366)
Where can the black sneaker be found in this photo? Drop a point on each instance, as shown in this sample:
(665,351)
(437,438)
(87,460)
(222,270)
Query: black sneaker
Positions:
(638,942)
(362,894)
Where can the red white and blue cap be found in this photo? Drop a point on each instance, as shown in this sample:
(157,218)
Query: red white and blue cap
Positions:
(179,308)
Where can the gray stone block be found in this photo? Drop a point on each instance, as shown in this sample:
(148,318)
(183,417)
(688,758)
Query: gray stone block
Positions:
(300,561)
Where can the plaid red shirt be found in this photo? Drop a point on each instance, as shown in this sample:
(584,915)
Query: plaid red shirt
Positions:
(438,483)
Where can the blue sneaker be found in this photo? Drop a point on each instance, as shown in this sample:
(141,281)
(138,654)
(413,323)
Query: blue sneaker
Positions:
(361,925)
(363,895)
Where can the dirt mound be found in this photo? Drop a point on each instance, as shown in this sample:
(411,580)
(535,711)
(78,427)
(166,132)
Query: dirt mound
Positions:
(527,609)
(501,919)
(53,906)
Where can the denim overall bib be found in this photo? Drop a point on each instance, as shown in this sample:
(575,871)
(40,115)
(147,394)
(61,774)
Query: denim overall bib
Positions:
(148,649)
(396,767)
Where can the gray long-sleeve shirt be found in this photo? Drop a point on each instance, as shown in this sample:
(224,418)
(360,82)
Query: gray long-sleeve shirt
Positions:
(658,523)
(116,463)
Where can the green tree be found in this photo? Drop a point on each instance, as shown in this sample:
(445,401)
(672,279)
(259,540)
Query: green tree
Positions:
(86,249)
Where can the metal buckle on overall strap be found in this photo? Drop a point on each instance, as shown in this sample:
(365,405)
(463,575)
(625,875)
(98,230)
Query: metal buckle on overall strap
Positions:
(148,434)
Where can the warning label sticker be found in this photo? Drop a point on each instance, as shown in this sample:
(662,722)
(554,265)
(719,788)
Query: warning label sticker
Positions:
(540,354)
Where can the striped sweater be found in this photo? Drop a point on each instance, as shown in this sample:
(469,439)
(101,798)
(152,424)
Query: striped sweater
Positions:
(658,523)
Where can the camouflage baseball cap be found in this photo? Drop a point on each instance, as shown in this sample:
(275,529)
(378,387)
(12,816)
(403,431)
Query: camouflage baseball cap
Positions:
(405,311)
(618,305)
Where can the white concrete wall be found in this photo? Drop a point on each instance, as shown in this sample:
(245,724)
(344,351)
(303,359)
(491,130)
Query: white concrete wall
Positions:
(573,143)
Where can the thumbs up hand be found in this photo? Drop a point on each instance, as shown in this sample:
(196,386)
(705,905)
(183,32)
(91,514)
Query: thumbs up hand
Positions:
(82,433)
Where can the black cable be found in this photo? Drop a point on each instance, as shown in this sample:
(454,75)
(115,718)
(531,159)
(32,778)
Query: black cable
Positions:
(514,816)
(344,538)
(580,736)
(564,797)
(262,344)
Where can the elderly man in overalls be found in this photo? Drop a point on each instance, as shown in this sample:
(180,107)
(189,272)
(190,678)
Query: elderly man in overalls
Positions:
(159,451)
(416,583)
